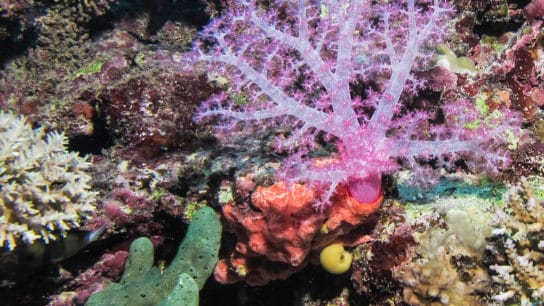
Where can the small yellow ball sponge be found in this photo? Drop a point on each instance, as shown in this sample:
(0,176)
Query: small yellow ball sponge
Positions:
(335,259)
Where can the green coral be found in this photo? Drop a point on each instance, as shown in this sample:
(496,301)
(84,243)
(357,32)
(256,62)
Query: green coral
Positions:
(90,69)
(143,284)
(159,193)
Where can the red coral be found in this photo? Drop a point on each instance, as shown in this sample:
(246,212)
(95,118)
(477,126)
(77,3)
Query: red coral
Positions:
(283,227)
(347,209)
(278,235)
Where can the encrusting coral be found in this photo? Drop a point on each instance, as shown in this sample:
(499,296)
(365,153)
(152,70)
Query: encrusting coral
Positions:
(478,250)
(446,268)
(44,189)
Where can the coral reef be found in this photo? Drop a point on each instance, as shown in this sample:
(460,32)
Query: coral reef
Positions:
(44,188)
(143,284)
(153,111)
(137,197)
(122,81)
(515,253)
(102,86)
(506,53)
(83,10)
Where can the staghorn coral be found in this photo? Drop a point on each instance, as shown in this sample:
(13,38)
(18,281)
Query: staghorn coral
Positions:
(44,190)
(515,254)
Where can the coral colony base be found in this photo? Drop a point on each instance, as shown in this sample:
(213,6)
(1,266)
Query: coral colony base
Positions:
(312,152)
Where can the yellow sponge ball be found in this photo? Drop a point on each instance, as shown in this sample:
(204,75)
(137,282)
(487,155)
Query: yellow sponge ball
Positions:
(335,259)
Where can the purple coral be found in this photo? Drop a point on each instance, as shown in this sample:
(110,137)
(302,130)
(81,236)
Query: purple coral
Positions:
(342,71)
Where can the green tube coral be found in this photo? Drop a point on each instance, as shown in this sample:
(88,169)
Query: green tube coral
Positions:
(179,284)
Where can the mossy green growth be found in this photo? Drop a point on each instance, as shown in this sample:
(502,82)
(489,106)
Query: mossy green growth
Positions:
(537,184)
(90,69)
(193,207)
(493,42)
(179,284)
(158,193)
(139,59)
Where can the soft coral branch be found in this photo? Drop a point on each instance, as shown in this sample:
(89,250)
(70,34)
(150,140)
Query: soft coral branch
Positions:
(402,61)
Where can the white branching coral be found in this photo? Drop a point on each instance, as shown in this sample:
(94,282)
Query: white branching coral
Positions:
(44,189)
(515,250)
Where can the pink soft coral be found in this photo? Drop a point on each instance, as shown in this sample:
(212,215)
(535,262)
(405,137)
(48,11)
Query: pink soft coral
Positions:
(341,71)
(535,9)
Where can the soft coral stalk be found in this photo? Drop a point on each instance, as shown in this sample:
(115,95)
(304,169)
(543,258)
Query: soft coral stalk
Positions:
(311,65)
